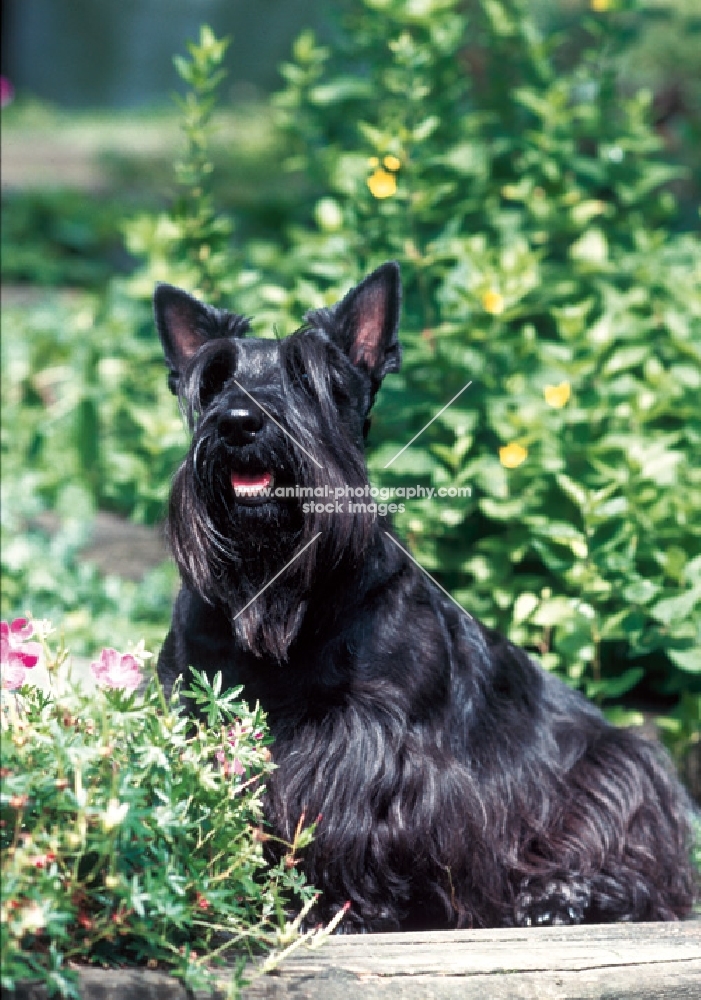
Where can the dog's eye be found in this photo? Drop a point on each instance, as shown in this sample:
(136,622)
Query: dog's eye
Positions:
(339,389)
(214,377)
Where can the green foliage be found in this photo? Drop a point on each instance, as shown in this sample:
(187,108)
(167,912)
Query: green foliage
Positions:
(190,245)
(65,235)
(530,211)
(131,836)
(84,381)
(88,420)
(530,205)
(53,238)
(88,423)
(47,573)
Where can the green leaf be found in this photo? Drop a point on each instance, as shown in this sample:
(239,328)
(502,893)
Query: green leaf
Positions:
(688,660)
(523,606)
(426,128)
(624,717)
(640,591)
(591,248)
(614,687)
(628,356)
(501,510)
(575,491)
(673,609)
(554,611)
(468,158)
(342,89)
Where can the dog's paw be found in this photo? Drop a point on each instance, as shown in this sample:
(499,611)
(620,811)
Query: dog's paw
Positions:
(552,902)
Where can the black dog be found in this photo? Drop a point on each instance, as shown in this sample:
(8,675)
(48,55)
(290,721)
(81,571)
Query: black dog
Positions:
(459,784)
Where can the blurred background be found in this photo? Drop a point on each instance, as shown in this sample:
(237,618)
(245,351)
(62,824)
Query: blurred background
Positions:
(535,168)
(103,54)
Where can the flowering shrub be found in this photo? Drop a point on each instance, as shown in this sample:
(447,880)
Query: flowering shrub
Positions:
(128,834)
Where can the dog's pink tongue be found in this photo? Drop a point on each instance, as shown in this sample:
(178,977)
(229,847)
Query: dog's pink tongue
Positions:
(258,482)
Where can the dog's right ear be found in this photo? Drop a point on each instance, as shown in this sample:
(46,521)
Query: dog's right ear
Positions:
(184,325)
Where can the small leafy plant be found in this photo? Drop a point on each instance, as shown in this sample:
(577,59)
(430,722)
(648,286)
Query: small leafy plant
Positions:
(129,834)
(191,243)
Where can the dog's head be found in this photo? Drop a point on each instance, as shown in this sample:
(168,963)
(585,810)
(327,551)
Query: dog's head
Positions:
(313,388)
(273,423)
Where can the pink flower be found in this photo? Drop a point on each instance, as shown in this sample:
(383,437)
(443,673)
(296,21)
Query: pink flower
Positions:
(117,670)
(17,653)
(7,92)
(229,767)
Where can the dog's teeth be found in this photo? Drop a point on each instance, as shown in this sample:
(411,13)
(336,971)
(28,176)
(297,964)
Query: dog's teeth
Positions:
(253,489)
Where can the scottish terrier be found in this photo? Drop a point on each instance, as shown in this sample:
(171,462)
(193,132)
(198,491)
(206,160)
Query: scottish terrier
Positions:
(459,784)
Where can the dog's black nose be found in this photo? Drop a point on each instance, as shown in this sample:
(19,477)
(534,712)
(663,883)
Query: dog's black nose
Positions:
(240,425)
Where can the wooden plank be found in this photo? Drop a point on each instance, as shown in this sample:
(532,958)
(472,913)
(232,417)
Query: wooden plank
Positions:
(641,961)
(605,962)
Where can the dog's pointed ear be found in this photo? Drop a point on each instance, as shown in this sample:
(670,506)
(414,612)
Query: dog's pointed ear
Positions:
(366,322)
(183,325)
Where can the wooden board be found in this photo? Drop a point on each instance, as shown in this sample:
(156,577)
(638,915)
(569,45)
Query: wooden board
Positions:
(641,961)
(609,962)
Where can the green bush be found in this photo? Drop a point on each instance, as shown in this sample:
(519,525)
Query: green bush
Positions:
(130,836)
(528,207)
(87,423)
(61,238)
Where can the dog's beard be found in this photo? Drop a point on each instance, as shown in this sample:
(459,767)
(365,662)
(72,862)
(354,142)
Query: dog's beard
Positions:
(263,562)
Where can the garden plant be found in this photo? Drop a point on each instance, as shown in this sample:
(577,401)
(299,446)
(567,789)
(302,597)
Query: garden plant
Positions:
(128,835)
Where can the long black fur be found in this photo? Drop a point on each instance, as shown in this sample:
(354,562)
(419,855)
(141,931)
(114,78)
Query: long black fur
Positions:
(458,783)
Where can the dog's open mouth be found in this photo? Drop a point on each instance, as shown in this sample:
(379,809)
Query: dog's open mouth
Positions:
(252,486)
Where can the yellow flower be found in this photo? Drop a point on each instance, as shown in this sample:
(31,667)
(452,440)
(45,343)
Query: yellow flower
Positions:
(511,455)
(392,163)
(557,395)
(493,302)
(373,162)
(382,184)
(600,5)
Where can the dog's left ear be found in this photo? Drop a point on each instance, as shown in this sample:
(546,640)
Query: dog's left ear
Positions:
(366,322)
